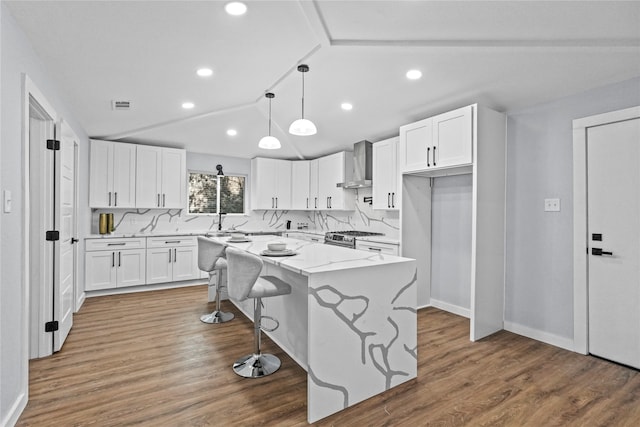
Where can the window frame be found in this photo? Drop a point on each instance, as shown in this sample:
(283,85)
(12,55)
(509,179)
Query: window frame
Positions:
(215,173)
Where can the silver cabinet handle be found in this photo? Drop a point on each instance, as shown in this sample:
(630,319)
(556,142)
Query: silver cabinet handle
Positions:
(171,241)
(276,203)
(169,255)
(158,202)
(307,203)
(116,244)
(113,259)
(272,202)
(115,198)
(109,198)
(434,155)
(393,200)
(375,249)
(388,200)
(327,203)
(163,200)
(316,203)
(331,202)
(175,254)
(119,259)
(428,154)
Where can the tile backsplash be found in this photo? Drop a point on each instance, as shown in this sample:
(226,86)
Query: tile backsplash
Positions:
(157,221)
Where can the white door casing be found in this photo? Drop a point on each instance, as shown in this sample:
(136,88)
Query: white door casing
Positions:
(582,239)
(613,211)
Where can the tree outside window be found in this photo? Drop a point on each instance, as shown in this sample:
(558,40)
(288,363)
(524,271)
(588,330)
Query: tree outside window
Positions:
(212,194)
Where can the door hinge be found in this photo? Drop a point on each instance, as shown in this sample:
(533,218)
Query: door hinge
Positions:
(53,144)
(51,326)
(52,235)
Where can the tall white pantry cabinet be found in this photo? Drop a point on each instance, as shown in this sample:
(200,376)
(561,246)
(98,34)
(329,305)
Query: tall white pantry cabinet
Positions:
(471,140)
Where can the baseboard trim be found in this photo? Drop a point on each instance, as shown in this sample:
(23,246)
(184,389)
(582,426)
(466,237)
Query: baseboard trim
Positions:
(538,335)
(80,301)
(451,308)
(146,288)
(13,415)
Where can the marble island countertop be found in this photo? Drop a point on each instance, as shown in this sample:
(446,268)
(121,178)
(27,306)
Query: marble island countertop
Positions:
(314,257)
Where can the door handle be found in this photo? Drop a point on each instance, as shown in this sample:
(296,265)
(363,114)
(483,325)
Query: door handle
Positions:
(74,240)
(428,154)
(434,155)
(600,252)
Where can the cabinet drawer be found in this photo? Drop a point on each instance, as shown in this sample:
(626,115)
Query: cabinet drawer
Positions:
(115,244)
(171,241)
(387,249)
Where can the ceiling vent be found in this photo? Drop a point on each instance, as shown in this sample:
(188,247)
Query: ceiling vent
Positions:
(120,105)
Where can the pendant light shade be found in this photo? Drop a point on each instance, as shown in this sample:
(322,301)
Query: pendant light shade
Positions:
(302,126)
(269,142)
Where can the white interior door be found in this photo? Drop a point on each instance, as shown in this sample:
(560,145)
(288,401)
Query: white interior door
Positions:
(613,185)
(64,269)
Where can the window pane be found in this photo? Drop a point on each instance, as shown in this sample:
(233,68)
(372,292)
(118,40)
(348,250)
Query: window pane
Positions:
(202,193)
(232,194)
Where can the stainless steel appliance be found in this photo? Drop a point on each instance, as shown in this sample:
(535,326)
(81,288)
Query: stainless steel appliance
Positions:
(362,166)
(347,238)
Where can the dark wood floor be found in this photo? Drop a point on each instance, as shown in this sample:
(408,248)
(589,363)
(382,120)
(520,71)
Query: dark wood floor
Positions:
(146,359)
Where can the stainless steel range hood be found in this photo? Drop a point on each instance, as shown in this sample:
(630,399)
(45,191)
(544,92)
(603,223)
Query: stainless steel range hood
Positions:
(362,166)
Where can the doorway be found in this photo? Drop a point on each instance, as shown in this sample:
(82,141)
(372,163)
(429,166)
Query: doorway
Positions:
(607,236)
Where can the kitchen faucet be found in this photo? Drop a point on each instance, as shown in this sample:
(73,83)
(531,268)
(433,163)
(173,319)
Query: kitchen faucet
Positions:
(220,220)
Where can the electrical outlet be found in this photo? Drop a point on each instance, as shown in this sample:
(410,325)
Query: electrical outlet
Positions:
(8,203)
(552,205)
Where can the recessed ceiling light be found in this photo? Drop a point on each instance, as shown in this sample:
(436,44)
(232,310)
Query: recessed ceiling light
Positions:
(232,132)
(187,105)
(235,8)
(414,74)
(205,72)
(346,106)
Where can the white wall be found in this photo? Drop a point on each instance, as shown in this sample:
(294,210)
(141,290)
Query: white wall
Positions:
(18,57)
(451,214)
(539,260)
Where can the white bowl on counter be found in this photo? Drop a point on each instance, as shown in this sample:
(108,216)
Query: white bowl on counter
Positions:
(277,246)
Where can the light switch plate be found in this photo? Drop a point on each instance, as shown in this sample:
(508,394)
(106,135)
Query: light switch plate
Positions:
(7,201)
(552,205)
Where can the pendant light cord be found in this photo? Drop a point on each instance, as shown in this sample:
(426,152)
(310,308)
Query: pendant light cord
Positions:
(302,95)
(269,116)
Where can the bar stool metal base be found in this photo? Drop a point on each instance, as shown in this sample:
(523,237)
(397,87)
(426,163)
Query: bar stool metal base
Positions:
(217,317)
(256,365)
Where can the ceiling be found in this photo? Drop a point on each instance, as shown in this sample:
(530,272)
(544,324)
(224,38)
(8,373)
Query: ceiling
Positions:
(505,55)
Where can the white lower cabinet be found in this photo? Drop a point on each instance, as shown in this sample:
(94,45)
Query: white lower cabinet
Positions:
(170,259)
(384,248)
(114,263)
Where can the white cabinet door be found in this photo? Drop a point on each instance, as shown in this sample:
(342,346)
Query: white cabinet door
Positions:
(332,170)
(385,176)
(100,269)
(101,174)
(313,185)
(283,184)
(174,178)
(124,175)
(185,263)
(130,267)
(300,175)
(416,144)
(452,138)
(148,177)
(159,265)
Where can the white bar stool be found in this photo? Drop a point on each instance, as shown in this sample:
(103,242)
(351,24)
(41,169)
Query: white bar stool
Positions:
(244,282)
(211,259)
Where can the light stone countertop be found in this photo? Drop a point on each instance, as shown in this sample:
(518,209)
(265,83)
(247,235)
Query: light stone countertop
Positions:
(314,257)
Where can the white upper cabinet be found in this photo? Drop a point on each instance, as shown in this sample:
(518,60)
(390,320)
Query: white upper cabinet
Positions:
(452,138)
(415,139)
(439,142)
(300,176)
(161,177)
(385,175)
(270,184)
(112,174)
(313,185)
(333,169)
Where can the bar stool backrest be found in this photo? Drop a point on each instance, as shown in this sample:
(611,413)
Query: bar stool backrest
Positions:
(243,270)
(208,253)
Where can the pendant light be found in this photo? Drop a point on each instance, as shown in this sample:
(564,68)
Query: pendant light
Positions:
(269,142)
(302,126)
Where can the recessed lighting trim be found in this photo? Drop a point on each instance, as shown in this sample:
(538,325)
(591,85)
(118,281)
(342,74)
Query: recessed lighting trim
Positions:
(204,72)
(232,132)
(414,74)
(346,106)
(235,8)
(188,105)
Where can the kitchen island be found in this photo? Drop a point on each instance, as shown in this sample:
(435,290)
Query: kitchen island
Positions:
(350,320)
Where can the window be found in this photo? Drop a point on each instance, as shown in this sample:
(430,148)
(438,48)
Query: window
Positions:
(211,194)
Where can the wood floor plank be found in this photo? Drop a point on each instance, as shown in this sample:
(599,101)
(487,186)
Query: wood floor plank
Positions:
(145,359)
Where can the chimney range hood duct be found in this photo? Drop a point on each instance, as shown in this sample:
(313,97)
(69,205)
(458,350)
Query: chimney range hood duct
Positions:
(362,166)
